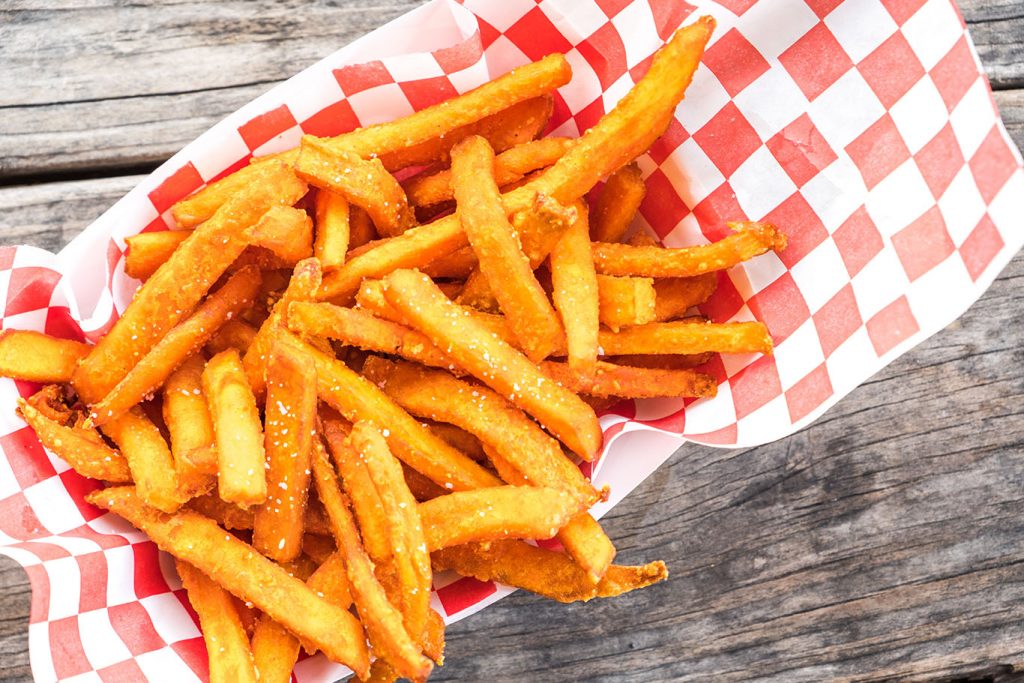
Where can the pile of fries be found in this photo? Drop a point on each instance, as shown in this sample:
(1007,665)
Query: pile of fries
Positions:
(377,356)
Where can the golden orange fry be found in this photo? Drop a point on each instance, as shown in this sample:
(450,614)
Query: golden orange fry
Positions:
(38,357)
(285,231)
(575,292)
(149,459)
(676,295)
(77,446)
(607,379)
(333,229)
(617,204)
(147,251)
(626,301)
(682,337)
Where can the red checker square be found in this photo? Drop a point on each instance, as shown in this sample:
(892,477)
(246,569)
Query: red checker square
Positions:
(892,325)
(940,160)
(724,303)
(122,672)
(670,14)
(93,591)
(605,53)
(676,422)
(149,580)
(266,126)
(241,163)
(66,648)
(78,487)
(735,62)
(816,61)
(334,119)
(612,7)
(725,435)
(992,165)
(878,151)
(755,385)
(39,580)
(955,73)
(716,210)
(459,56)
(980,247)
(588,115)
(536,36)
(892,69)
(105,541)
(134,626)
(837,320)
(158,224)
(809,393)
(923,244)
(669,141)
(728,139)
(823,7)
(44,550)
(801,225)
(552,544)
(801,150)
(858,241)
(7,257)
(714,367)
(901,10)
(560,114)
(781,307)
(59,323)
(29,289)
(488,34)
(427,91)
(464,593)
(193,652)
(359,77)
(177,186)
(114,254)
(625,408)
(26,389)
(26,457)
(737,7)
(662,207)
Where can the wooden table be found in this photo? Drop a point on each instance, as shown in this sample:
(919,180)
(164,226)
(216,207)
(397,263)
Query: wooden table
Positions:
(885,541)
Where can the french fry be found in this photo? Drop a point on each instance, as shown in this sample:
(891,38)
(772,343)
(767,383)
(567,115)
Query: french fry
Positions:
(189,428)
(543,572)
(239,569)
(617,204)
(361,230)
(682,337)
(663,362)
(606,379)
(147,251)
(236,426)
(459,439)
(643,239)
(496,513)
(493,362)
(38,357)
(421,487)
(149,459)
(575,292)
(234,334)
(77,446)
(178,285)
(178,344)
(458,264)
(230,516)
(51,402)
(362,182)
(290,425)
(333,229)
(285,231)
(676,295)
(226,640)
(750,240)
(626,301)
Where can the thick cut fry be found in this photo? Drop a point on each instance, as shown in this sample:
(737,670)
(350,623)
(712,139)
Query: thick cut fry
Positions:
(606,379)
(187,418)
(234,334)
(226,640)
(358,328)
(456,265)
(149,459)
(575,292)
(147,251)
(236,425)
(617,204)
(509,167)
(290,424)
(178,285)
(179,343)
(493,362)
(51,401)
(663,362)
(286,232)
(230,516)
(382,620)
(496,513)
(626,301)
(38,357)
(683,337)
(362,182)
(361,230)
(239,569)
(676,295)
(359,399)
(752,239)
(421,487)
(77,446)
(544,572)
(333,229)
(458,438)
(497,249)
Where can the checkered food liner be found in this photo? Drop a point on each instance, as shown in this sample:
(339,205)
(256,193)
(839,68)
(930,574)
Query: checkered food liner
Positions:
(865,129)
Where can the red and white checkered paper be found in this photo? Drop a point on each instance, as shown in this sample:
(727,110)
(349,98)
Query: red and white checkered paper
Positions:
(865,129)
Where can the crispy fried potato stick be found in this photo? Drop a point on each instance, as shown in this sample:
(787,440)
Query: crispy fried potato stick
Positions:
(501,259)
(544,572)
(226,640)
(683,337)
(606,379)
(626,301)
(752,239)
(663,362)
(575,293)
(38,357)
(496,513)
(77,446)
(234,334)
(421,487)
(359,399)
(458,264)
(178,285)
(493,362)
(147,251)
(149,459)
(230,516)
(333,229)
(236,426)
(459,439)
(239,569)
(290,424)
(187,417)
(361,230)
(676,295)
(178,344)
(285,231)
(51,402)
(617,204)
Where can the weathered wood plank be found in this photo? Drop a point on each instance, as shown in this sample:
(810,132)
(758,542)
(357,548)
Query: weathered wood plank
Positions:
(103,85)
